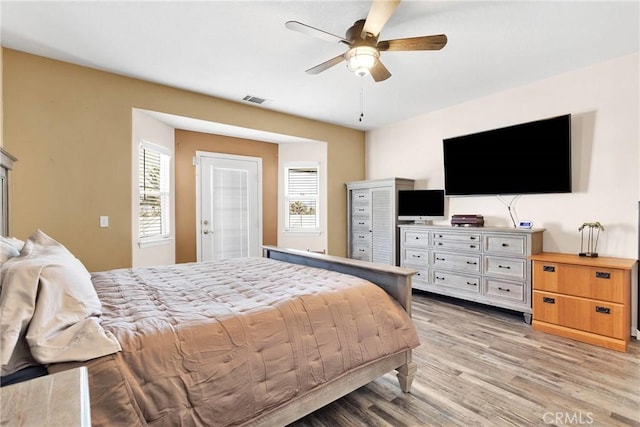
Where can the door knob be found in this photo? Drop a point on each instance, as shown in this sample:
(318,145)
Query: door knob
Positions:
(205,231)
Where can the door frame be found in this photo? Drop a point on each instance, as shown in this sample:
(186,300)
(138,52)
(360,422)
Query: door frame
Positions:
(199,155)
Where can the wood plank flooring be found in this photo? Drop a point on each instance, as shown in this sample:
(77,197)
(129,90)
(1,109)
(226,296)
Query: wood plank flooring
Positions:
(479,366)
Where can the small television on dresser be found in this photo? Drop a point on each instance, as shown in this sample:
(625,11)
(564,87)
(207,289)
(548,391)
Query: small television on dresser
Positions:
(420,206)
(527,158)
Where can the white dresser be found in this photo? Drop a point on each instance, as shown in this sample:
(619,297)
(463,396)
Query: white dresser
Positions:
(372,219)
(488,265)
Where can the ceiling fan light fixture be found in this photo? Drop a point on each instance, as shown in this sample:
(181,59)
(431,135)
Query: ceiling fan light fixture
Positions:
(360,59)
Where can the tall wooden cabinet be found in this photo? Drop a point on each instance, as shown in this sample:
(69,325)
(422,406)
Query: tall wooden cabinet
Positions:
(372,219)
(585,299)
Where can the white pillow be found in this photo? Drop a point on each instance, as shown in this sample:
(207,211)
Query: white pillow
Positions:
(49,309)
(9,247)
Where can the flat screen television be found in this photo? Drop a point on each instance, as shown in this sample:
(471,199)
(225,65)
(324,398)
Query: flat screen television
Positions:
(420,205)
(528,158)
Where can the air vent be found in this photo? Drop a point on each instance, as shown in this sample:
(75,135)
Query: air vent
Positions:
(254,99)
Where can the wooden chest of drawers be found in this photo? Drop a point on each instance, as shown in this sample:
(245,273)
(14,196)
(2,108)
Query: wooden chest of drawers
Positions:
(586,299)
(487,265)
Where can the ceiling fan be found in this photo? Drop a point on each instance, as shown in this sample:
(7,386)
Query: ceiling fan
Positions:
(363,56)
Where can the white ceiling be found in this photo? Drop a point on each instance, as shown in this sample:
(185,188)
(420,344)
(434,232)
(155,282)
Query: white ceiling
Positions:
(230,49)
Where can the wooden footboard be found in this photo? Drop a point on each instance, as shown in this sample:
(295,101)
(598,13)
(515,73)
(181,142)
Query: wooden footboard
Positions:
(396,281)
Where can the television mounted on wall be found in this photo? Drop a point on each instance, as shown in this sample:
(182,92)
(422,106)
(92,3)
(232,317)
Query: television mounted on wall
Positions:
(528,158)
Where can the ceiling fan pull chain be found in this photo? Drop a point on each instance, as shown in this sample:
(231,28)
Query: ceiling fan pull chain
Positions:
(361,104)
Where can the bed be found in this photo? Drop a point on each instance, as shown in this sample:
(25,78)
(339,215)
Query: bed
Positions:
(252,341)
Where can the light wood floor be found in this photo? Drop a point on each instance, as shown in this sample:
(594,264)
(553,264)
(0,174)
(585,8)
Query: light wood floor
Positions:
(485,367)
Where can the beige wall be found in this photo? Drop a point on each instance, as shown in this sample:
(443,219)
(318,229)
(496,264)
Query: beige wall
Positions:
(70,127)
(186,145)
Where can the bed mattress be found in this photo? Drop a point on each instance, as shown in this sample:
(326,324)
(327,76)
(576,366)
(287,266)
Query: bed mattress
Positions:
(219,343)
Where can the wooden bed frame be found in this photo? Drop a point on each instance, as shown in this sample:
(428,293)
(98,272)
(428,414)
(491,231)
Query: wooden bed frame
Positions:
(396,281)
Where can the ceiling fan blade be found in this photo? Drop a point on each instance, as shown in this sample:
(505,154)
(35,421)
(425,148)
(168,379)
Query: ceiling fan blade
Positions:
(436,42)
(379,72)
(315,32)
(325,65)
(379,14)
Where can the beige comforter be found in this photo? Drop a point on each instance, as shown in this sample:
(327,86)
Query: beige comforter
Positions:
(220,343)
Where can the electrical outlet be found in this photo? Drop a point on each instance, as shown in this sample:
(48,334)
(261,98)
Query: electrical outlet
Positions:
(104,221)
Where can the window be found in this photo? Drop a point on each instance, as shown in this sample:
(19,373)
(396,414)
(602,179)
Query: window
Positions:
(301,198)
(154,182)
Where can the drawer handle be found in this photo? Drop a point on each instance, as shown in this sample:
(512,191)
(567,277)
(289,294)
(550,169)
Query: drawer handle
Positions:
(440,259)
(603,275)
(508,267)
(361,223)
(361,236)
(603,310)
(361,250)
(418,274)
(417,238)
(549,268)
(472,284)
(549,300)
(472,237)
(415,256)
(504,289)
(472,263)
(440,243)
(440,236)
(439,278)
(472,246)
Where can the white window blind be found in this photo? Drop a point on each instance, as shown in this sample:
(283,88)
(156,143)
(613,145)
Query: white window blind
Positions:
(302,198)
(154,171)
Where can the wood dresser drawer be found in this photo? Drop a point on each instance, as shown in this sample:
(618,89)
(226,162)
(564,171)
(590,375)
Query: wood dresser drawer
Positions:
(457,237)
(591,282)
(506,267)
(461,282)
(498,289)
(416,238)
(360,224)
(415,257)
(472,246)
(361,197)
(584,314)
(461,262)
(361,238)
(505,244)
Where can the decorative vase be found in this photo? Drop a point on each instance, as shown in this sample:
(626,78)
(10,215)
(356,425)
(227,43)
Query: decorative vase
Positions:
(593,234)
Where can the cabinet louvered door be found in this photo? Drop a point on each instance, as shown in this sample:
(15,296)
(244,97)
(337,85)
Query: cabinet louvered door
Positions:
(382,225)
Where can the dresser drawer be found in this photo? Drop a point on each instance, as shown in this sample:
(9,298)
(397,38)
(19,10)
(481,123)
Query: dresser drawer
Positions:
(584,314)
(421,278)
(363,238)
(505,244)
(360,224)
(506,267)
(456,237)
(360,211)
(456,261)
(457,246)
(415,257)
(607,284)
(361,197)
(466,283)
(416,238)
(361,252)
(501,290)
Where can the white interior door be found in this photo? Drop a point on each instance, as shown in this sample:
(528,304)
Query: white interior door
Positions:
(229,206)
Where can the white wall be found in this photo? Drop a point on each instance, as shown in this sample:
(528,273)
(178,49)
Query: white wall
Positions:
(145,127)
(295,153)
(603,100)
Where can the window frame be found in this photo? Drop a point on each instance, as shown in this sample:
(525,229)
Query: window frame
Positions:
(165,196)
(315,198)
